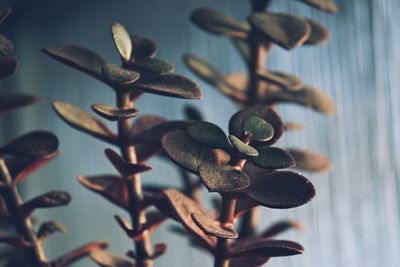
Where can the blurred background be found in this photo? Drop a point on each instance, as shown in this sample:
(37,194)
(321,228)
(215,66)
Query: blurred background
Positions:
(354,219)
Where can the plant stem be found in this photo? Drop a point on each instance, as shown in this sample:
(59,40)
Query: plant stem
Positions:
(143,249)
(257,60)
(23,226)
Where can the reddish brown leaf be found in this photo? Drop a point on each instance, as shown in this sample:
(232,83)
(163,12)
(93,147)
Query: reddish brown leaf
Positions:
(48,228)
(78,253)
(47,200)
(212,227)
(124,168)
(107,259)
(113,113)
(159,250)
(111,187)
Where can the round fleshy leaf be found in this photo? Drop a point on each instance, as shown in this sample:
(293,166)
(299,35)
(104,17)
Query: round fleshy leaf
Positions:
(285,80)
(266,113)
(259,129)
(310,161)
(143,47)
(327,6)
(154,65)
(78,57)
(186,152)
(33,144)
(223,179)
(262,247)
(208,73)
(273,158)
(319,33)
(207,134)
(280,190)
(11,101)
(8,66)
(285,30)
(83,121)
(119,76)
(308,96)
(114,113)
(122,40)
(169,85)
(242,148)
(217,22)
(6,47)
(212,227)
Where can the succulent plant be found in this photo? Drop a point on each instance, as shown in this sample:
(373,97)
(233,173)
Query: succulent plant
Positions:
(18,159)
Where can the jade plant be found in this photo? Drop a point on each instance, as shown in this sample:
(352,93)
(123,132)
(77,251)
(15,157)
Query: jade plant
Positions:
(254,40)
(18,159)
(136,139)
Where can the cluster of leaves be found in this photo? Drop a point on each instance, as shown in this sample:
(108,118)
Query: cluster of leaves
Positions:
(18,159)
(140,72)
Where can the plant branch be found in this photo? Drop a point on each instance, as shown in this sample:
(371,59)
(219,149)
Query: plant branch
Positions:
(23,226)
(143,249)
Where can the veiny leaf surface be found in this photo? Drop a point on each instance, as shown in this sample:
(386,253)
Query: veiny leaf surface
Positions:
(273,158)
(285,30)
(280,190)
(207,134)
(223,179)
(185,152)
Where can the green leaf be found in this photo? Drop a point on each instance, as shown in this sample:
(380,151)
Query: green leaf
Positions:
(280,190)
(185,152)
(259,129)
(33,144)
(114,113)
(78,57)
(119,76)
(217,22)
(154,65)
(308,96)
(212,227)
(207,134)
(327,6)
(223,179)
(169,85)
(285,80)
(242,148)
(143,47)
(310,161)
(285,30)
(122,41)
(83,121)
(319,33)
(264,112)
(273,158)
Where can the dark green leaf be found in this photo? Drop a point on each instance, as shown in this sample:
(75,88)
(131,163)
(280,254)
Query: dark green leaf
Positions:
(11,101)
(33,144)
(285,30)
(143,47)
(242,148)
(113,113)
(310,161)
(266,113)
(185,152)
(8,66)
(212,227)
(280,190)
(154,65)
(223,179)
(169,85)
(6,47)
(207,134)
(273,158)
(83,121)
(217,22)
(308,96)
(319,33)
(78,57)
(119,76)
(122,41)
(328,6)
(262,247)
(259,129)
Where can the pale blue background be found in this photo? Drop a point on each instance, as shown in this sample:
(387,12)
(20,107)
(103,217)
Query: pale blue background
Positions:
(353,221)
